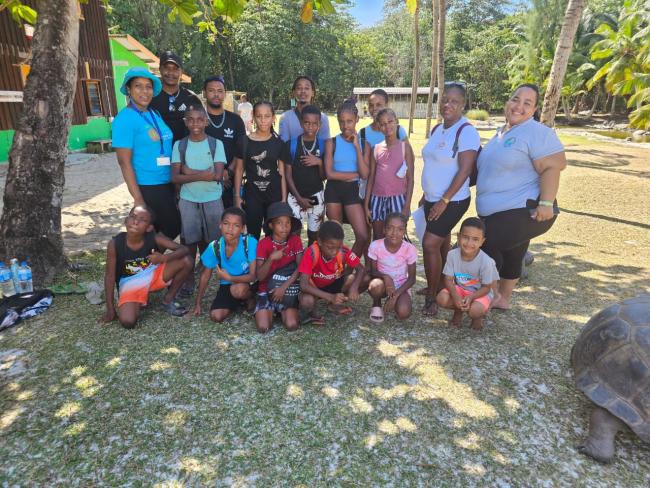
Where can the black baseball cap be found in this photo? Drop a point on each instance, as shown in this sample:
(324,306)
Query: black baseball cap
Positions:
(171,57)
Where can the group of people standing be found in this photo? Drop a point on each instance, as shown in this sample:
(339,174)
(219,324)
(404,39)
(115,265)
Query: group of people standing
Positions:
(201,173)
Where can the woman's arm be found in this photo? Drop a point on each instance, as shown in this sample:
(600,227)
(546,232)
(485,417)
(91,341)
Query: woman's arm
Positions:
(410,177)
(124,160)
(549,169)
(370,184)
(239,173)
(363,156)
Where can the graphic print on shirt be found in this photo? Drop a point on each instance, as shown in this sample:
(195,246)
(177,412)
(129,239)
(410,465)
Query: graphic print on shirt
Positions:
(135,266)
(261,172)
(466,280)
(228,132)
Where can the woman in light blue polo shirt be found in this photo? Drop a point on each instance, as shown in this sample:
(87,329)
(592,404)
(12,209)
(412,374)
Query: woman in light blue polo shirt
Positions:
(518,180)
(143,144)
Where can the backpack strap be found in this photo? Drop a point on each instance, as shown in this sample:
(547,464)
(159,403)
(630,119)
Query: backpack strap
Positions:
(362,139)
(434,128)
(315,257)
(454,149)
(182,149)
(321,147)
(212,142)
(333,146)
(397,132)
(216,248)
(246,237)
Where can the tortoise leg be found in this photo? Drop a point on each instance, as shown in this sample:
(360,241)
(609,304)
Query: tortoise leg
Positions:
(603,427)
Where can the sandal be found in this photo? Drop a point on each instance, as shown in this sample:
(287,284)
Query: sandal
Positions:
(68,289)
(174,309)
(377,315)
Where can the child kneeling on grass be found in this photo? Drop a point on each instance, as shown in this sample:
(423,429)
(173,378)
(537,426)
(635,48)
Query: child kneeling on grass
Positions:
(134,262)
(233,258)
(392,267)
(470,276)
(324,273)
(278,256)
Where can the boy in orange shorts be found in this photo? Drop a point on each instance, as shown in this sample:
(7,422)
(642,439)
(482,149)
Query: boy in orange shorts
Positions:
(470,276)
(134,262)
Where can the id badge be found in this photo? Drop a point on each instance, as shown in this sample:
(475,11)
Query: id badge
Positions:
(163,161)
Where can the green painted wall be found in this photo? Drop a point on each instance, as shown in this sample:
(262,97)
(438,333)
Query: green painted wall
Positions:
(123,59)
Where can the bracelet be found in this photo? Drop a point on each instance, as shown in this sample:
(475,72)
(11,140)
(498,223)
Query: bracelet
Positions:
(546,203)
(446,200)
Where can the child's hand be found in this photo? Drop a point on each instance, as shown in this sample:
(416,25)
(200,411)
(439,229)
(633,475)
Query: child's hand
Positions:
(197,310)
(389,306)
(208,175)
(353,293)
(155,257)
(223,274)
(276,255)
(226,182)
(354,139)
(466,302)
(311,160)
(458,302)
(437,210)
(278,294)
(389,284)
(368,215)
(304,203)
(338,299)
(108,316)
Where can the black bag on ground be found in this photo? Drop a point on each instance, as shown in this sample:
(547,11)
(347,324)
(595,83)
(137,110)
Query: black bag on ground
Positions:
(24,305)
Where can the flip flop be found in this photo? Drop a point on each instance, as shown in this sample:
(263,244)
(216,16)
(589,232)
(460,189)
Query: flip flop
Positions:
(68,289)
(174,309)
(377,315)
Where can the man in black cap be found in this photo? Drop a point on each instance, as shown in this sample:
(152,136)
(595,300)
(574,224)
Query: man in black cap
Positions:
(224,125)
(173,100)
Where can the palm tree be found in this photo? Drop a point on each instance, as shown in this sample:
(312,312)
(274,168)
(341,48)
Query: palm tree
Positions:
(442,15)
(560,60)
(434,62)
(416,65)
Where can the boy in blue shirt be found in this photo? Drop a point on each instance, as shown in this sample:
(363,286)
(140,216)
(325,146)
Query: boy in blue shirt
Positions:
(198,161)
(232,256)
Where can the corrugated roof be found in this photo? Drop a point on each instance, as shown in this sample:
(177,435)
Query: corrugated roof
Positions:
(152,61)
(392,90)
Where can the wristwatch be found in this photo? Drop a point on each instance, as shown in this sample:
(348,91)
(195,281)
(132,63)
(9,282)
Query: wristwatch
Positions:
(445,199)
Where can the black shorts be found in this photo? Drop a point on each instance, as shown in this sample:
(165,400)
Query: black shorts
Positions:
(162,200)
(225,300)
(336,286)
(449,218)
(343,192)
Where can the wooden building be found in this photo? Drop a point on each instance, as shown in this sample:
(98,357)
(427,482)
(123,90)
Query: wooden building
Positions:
(94,100)
(399,99)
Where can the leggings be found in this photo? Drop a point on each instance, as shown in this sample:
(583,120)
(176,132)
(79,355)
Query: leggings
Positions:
(256,206)
(162,200)
(507,236)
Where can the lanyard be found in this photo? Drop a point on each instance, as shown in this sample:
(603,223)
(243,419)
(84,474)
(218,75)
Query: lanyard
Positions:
(152,122)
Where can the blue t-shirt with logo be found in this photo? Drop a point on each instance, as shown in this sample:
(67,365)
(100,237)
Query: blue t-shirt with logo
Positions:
(137,131)
(506,174)
(236,265)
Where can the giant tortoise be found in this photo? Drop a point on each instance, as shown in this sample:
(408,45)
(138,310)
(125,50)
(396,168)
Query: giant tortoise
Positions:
(611,364)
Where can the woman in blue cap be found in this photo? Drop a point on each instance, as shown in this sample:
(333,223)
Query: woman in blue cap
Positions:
(143,144)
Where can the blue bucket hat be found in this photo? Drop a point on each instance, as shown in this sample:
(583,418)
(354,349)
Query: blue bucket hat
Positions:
(140,72)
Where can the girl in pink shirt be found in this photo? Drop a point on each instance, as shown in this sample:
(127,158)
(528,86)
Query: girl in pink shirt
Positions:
(390,182)
(392,268)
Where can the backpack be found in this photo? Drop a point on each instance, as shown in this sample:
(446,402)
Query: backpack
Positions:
(474,175)
(216,247)
(315,257)
(182,147)
(362,135)
(293,147)
(22,306)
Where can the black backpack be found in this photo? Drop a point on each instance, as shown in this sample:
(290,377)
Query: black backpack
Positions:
(474,175)
(216,247)
(182,147)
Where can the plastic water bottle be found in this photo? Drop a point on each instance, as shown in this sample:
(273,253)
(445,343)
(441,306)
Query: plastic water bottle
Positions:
(14,274)
(6,282)
(25,278)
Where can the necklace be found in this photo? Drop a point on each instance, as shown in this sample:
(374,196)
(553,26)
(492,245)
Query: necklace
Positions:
(172,99)
(223,118)
(304,148)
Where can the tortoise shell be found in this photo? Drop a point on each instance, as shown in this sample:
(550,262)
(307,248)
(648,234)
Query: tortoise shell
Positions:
(611,362)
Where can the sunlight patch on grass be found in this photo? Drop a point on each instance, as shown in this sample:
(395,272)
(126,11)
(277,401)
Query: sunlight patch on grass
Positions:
(68,409)
(25,395)
(330,392)
(359,405)
(78,371)
(88,385)
(176,419)
(295,391)
(159,366)
(114,362)
(170,350)
(10,416)
(470,442)
(75,429)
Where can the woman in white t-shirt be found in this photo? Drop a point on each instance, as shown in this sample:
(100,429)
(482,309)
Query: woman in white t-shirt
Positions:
(449,158)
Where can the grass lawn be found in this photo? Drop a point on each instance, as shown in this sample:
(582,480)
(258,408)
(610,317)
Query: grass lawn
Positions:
(190,403)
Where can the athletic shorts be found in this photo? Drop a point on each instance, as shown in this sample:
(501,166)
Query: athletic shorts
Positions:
(343,192)
(380,207)
(136,288)
(200,221)
(335,286)
(314,216)
(264,302)
(449,218)
(485,300)
(224,299)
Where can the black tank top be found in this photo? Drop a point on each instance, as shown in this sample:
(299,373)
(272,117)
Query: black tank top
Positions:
(129,262)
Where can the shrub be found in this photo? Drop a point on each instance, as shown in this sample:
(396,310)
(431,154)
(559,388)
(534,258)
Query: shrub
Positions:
(477,115)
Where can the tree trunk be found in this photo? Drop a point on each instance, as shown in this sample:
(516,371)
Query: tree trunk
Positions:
(434,64)
(560,60)
(31,218)
(576,106)
(612,111)
(416,66)
(442,15)
(566,110)
(595,104)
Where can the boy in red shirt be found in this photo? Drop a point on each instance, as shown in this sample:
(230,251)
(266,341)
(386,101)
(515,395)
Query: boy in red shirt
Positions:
(323,273)
(278,256)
